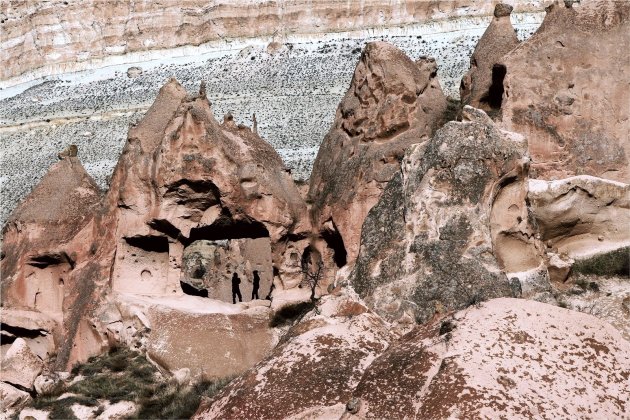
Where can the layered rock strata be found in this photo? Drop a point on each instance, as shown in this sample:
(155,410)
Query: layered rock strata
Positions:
(391,104)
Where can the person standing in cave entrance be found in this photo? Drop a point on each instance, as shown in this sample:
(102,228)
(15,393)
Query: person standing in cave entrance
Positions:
(236,290)
(256,285)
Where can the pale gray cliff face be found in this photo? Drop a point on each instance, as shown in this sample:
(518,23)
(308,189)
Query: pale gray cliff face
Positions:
(293,91)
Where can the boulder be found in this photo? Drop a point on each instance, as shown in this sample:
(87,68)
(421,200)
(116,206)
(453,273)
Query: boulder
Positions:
(207,338)
(392,103)
(312,372)
(20,366)
(565,89)
(520,358)
(429,245)
(11,398)
(482,86)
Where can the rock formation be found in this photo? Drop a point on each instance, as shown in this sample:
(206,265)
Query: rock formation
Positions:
(482,86)
(391,104)
(184,178)
(45,35)
(437,252)
(510,356)
(565,90)
(313,371)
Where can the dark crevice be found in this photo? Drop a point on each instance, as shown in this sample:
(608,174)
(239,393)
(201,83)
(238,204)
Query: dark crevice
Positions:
(193,291)
(494,97)
(18,332)
(165,227)
(46,260)
(227,228)
(149,243)
(335,242)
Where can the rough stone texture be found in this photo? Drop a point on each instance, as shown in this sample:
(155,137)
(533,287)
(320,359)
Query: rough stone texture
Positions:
(294,93)
(52,40)
(520,358)
(427,246)
(312,372)
(33,327)
(566,90)
(391,104)
(20,366)
(48,263)
(184,177)
(11,398)
(482,86)
(212,346)
(582,215)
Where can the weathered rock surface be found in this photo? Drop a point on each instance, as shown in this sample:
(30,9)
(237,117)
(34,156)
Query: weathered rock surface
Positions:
(34,327)
(210,338)
(515,357)
(566,90)
(11,398)
(391,104)
(427,246)
(482,86)
(312,372)
(582,215)
(183,177)
(46,35)
(20,366)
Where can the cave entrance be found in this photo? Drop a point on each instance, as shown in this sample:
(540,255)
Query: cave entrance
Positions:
(141,266)
(208,265)
(494,98)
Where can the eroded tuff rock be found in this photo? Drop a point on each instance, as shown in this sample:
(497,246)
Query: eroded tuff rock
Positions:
(515,357)
(427,246)
(20,366)
(566,90)
(312,372)
(49,258)
(482,86)
(183,177)
(391,104)
(582,215)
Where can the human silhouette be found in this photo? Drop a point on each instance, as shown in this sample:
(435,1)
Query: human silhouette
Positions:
(256,285)
(236,290)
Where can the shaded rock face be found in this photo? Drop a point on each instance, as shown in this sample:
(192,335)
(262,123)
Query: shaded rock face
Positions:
(183,177)
(427,246)
(482,86)
(565,89)
(20,366)
(501,357)
(391,104)
(312,372)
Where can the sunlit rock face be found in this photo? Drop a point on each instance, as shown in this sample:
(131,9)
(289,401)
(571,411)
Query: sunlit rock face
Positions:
(565,88)
(428,246)
(392,103)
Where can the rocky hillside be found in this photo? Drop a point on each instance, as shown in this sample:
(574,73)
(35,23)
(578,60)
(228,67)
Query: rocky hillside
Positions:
(446,260)
(292,78)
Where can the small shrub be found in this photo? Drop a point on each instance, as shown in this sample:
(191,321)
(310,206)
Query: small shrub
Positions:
(614,263)
(290,313)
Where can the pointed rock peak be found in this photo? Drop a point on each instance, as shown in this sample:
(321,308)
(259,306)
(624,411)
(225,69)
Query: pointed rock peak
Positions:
(70,151)
(502,10)
(66,193)
(150,128)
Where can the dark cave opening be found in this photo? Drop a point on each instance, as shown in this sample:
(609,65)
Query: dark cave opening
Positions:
(494,98)
(335,242)
(193,291)
(46,260)
(227,228)
(149,243)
